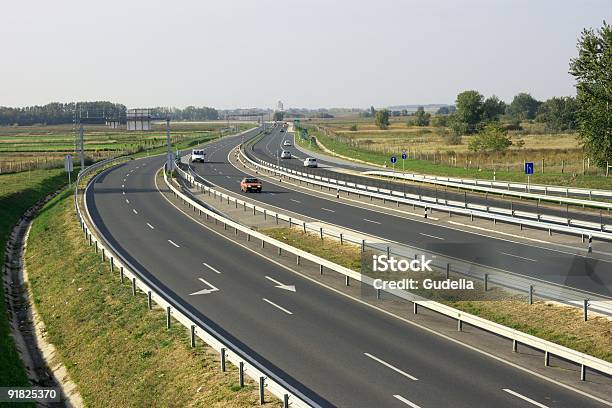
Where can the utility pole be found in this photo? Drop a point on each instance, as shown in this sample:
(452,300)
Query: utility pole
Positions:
(169,146)
(82,147)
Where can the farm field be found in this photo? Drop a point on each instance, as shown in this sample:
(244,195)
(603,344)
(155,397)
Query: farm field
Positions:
(28,147)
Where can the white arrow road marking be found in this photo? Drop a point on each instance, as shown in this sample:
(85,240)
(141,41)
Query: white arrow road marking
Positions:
(390,366)
(211,268)
(405,401)
(279,285)
(277,306)
(516,394)
(205,291)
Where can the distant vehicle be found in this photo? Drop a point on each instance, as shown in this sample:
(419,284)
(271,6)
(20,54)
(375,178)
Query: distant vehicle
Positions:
(250,184)
(310,162)
(197,155)
(285,154)
(286,143)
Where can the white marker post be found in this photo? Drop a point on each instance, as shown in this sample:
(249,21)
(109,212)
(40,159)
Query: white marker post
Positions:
(68,167)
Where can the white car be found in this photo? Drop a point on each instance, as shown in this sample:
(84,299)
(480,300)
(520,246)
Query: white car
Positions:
(285,154)
(310,162)
(197,155)
(286,143)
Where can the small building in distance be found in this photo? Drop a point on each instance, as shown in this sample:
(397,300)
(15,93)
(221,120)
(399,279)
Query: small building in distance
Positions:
(138,119)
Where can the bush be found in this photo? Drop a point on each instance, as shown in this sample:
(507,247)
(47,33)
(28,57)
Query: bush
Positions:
(493,138)
(353,127)
(451,138)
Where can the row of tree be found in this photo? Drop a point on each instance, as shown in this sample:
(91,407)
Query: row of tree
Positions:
(62,113)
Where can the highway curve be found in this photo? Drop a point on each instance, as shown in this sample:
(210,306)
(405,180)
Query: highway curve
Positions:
(314,337)
(574,270)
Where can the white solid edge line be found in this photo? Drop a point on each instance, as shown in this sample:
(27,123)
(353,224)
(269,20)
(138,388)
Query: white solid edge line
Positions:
(391,366)
(391,314)
(405,401)
(516,394)
(211,268)
(277,306)
(173,243)
(150,226)
(518,256)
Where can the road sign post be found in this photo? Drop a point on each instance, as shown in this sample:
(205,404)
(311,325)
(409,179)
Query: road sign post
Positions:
(404,160)
(393,161)
(528,172)
(68,167)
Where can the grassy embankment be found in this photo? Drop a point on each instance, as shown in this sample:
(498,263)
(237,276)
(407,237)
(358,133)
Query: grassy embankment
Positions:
(376,147)
(117,351)
(18,192)
(559,324)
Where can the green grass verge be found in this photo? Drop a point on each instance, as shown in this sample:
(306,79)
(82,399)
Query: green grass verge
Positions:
(562,325)
(427,167)
(117,351)
(18,192)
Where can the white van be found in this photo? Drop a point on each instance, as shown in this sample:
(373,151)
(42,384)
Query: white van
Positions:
(310,162)
(197,155)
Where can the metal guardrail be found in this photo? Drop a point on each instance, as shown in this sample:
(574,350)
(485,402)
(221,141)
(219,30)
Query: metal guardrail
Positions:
(583,360)
(522,218)
(228,350)
(520,190)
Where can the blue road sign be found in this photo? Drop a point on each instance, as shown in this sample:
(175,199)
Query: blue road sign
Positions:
(393,159)
(529,168)
(404,156)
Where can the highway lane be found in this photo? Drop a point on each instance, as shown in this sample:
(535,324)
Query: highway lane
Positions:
(334,348)
(573,270)
(267,149)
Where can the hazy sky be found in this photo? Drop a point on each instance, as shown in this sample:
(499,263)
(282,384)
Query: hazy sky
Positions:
(250,53)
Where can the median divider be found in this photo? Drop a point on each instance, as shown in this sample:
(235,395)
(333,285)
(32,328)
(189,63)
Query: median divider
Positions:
(584,361)
(228,351)
(496,214)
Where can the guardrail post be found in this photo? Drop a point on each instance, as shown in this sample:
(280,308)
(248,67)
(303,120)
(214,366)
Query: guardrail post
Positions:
(459,324)
(241,374)
(149,300)
(96,247)
(341,239)
(377,293)
(286,401)
(321,269)
(347,281)
(531,294)
(248,237)
(297,260)
(415,308)
(582,372)
(320,231)
(276,218)
(280,251)
(224,226)
(289,222)
(585,309)
(254,210)
(261,390)
(112,264)
(388,252)
(486,281)
(192,336)
(546,359)
(514,345)
(90,243)
(304,226)
(168,315)
(263,243)
(362,245)
(447,270)
(265,214)
(133,286)
(121,274)
(223,359)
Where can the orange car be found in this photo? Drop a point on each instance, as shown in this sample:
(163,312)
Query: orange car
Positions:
(250,184)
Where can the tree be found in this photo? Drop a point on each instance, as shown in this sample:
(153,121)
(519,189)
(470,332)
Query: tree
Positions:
(440,120)
(592,70)
(382,119)
(278,116)
(559,114)
(493,138)
(523,107)
(421,117)
(445,110)
(469,111)
(492,108)
(372,111)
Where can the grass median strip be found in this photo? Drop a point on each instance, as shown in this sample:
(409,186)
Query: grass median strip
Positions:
(557,323)
(117,351)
